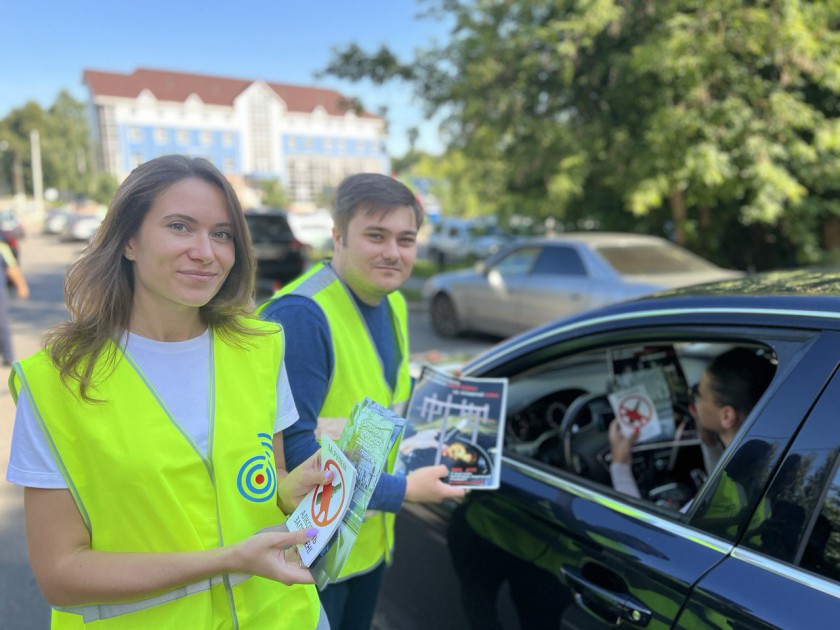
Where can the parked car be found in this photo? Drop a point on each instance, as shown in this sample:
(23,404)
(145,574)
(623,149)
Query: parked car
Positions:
(80,227)
(9,222)
(464,239)
(753,543)
(314,229)
(534,281)
(280,255)
(55,221)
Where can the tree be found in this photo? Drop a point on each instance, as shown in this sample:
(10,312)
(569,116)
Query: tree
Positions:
(693,114)
(273,193)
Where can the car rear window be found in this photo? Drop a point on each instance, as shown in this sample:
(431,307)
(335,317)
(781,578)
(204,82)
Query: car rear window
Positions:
(652,259)
(267,228)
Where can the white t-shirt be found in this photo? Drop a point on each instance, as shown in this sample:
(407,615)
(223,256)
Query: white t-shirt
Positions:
(180,374)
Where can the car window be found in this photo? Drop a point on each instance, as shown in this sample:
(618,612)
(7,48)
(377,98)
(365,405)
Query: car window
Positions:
(518,261)
(559,260)
(652,259)
(559,413)
(268,228)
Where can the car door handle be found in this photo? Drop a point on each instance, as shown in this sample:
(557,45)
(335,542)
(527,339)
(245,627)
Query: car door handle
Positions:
(622,605)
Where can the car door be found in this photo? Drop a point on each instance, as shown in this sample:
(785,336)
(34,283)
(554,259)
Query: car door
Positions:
(558,285)
(492,300)
(785,570)
(623,560)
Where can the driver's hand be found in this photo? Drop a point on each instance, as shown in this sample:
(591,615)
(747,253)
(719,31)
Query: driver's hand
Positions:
(620,445)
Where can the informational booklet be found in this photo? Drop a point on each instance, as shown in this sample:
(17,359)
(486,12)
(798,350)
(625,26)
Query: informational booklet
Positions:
(369,435)
(459,422)
(325,505)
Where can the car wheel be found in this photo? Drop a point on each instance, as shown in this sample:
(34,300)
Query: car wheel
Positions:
(444,316)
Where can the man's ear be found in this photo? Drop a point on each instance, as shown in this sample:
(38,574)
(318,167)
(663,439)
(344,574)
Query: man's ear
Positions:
(336,238)
(729,418)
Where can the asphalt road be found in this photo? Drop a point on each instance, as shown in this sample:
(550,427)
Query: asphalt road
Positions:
(44,261)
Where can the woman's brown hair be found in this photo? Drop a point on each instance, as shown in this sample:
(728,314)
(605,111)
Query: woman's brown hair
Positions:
(99,287)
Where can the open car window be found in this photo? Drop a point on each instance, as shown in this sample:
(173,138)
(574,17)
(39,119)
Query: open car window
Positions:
(560,410)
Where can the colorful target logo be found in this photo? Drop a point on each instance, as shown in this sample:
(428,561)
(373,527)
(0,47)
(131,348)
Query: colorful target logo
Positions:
(328,501)
(257,479)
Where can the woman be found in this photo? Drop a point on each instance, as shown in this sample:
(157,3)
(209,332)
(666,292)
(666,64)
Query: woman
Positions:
(146,428)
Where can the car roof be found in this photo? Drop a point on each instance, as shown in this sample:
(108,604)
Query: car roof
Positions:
(599,238)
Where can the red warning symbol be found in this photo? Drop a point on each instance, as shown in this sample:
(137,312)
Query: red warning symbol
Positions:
(635,411)
(328,501)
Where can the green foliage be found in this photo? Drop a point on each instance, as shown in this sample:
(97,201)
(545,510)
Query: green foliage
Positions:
(700,115)
(273,194)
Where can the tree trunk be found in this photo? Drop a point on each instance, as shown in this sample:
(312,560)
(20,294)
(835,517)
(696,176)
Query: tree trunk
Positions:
(678,214)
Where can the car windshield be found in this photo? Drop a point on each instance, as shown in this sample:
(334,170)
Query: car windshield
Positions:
(652,259)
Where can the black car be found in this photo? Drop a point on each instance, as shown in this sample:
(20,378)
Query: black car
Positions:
(280,256)
(753,542)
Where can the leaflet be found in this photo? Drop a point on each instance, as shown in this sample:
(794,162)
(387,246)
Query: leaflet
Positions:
(459,422)
(325,505)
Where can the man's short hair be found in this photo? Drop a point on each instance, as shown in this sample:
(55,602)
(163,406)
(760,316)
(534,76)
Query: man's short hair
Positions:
(371,193)
(739,378)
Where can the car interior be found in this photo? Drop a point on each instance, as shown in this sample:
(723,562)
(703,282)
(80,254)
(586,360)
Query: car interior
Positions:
(559,413)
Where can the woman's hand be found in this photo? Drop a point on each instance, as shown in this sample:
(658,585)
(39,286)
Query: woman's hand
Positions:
(274,555)
(295,486)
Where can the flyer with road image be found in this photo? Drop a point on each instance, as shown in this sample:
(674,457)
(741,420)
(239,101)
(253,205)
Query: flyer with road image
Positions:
(459,422)
(325,505)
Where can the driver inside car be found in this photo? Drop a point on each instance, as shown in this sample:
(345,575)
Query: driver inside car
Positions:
(729,388)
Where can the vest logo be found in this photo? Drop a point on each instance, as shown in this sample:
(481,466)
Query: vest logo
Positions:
(257,478)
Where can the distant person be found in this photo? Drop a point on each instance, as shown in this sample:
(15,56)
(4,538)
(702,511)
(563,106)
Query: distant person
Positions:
(346,327)
(9,272)
(147,433)
(730,387)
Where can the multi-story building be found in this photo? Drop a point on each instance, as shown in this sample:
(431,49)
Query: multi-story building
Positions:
(308,138)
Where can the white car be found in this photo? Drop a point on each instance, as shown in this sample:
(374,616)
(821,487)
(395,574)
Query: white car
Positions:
(538,280)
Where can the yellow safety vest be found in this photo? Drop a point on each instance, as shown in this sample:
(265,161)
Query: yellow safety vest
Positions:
(142,485)
(358,372)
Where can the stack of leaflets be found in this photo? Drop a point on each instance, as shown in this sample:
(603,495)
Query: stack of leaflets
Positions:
(459,422)
(338,512)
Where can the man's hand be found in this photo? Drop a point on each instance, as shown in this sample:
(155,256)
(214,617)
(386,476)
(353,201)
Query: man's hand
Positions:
(292,488)
(621,446)
(424,485)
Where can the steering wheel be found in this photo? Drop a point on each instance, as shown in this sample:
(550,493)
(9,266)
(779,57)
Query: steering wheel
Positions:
(585,423)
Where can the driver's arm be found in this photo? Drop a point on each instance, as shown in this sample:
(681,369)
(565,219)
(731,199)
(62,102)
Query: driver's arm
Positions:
(621,470)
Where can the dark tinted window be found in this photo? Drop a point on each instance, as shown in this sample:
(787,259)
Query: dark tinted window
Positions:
(267,228)
(556,260)
(822,553)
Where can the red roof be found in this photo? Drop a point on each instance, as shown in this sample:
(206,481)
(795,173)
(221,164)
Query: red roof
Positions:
(177,86)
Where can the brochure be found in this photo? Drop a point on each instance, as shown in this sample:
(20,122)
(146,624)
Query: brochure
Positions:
(325,505)
(459,422)
(367,438)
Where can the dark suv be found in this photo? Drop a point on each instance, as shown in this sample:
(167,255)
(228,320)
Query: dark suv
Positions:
(280,256)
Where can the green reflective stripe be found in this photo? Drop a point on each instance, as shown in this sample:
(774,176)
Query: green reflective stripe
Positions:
(17,370)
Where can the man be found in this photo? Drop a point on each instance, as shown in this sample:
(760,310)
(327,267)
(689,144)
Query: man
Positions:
(730,387)
(346,330)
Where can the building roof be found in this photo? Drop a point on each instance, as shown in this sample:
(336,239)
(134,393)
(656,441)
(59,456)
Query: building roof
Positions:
(213,90)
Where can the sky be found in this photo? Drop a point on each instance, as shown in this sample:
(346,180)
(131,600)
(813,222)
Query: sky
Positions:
(45,46)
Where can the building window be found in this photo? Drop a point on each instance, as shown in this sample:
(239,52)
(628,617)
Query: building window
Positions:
(227,139)
(161,136)
(136,160)
(135,134)
(229,165)
(206,138)
(183,137)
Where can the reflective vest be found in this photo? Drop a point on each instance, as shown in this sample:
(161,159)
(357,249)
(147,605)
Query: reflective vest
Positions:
(358,372)
(142,485)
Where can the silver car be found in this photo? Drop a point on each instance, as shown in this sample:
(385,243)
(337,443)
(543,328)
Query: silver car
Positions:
(535,281)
